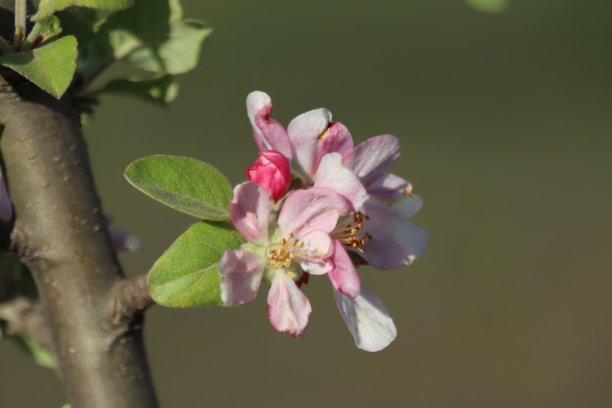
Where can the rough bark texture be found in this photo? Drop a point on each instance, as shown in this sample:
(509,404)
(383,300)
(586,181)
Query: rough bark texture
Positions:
(60,233)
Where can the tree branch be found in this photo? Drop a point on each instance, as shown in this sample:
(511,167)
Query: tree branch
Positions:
(60,233)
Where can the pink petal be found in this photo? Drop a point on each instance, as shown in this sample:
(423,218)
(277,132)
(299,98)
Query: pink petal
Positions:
(313,209)
(336,139)
(374,157)
(241,273)
(288,308)
(396,242)
(250,212)
(304,132)
(367,320)
(6,208)
(333,175)
(268,133)
(344,277)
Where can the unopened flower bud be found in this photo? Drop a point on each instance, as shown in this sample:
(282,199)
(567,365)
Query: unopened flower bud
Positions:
(271,170)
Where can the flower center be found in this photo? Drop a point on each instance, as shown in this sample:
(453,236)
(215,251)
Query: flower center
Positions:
(281,255)
(351,233)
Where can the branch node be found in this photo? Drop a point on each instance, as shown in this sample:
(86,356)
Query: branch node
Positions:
(131,298)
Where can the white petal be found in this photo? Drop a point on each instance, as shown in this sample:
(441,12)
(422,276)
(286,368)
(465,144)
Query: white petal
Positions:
(303,132)
(288,307)
(375,156)
(333,175)
(241,273)
(396,241)
(367,320)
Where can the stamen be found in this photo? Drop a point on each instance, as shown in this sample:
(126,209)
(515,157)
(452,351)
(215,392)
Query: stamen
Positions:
(281,256)
(407,191)
(351,233)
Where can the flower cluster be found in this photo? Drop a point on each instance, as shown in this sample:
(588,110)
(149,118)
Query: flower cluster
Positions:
(340,208)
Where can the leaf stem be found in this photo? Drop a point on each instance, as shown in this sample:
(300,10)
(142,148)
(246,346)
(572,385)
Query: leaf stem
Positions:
(20,23)
(32,36)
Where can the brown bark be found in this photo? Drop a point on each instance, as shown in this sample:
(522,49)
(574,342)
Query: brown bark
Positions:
(60,233)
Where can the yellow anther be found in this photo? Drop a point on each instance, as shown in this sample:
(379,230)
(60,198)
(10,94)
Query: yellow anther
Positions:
(350,232)
(281,256)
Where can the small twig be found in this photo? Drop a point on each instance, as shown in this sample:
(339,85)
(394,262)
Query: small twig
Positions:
(20,23)
(132,297)
(24,317)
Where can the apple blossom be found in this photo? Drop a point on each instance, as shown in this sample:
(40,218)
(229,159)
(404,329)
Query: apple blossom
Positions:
(378,230)
(281,248)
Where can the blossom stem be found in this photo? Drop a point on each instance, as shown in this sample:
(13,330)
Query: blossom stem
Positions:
(20,23)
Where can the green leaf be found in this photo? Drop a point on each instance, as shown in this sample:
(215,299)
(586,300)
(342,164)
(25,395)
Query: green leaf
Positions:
(489,6)
(176,51)
(47,8)
(50,67)
(39,354)
(79,22)
(152,36)
(161,90)
(187,274)
(187,185)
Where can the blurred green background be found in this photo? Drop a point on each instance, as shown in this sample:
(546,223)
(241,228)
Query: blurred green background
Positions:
(505,126)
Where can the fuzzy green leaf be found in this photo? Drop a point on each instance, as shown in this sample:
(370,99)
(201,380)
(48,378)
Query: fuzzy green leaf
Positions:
(81,23)
(47,8)
(187,185)
(176,51)
(187,274)
(161,90)
(152,36)
(50,67)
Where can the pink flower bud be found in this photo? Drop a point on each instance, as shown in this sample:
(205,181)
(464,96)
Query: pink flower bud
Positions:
(271,171)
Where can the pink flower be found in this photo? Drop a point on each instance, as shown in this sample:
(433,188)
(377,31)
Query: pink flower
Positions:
(298,241)
(379,230)
(271,170)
